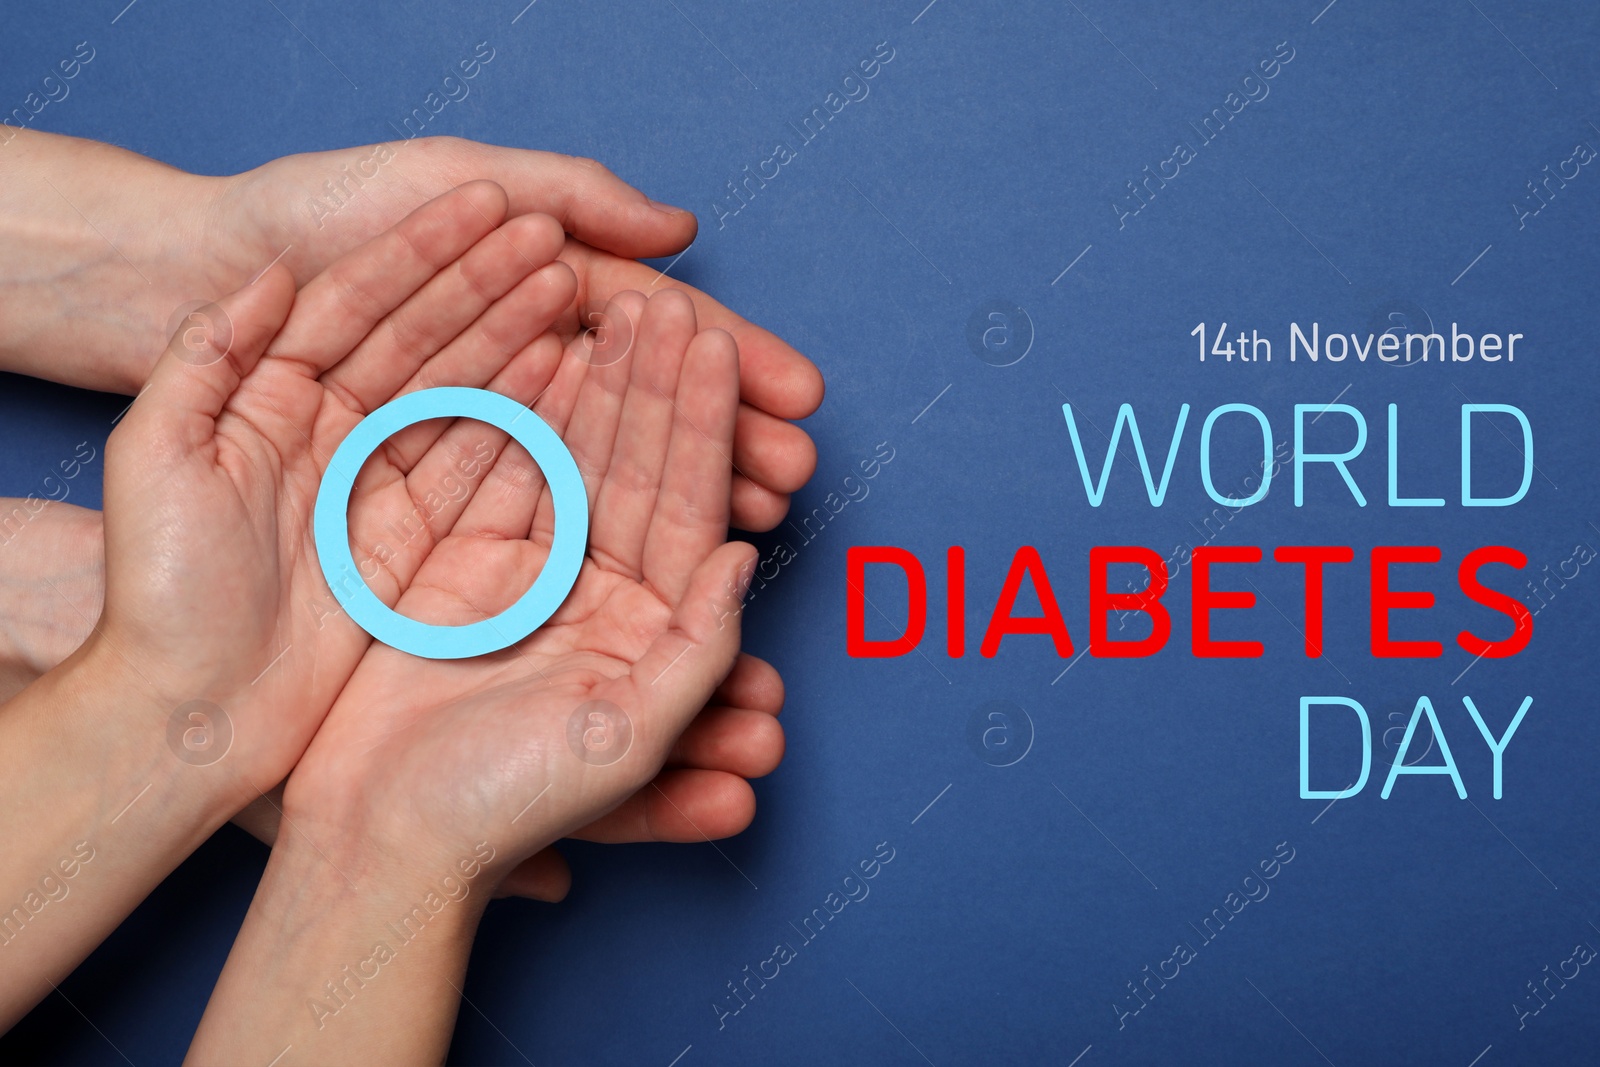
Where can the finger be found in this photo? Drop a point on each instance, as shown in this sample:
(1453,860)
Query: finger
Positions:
(753,683)
(462,290)
(591,431)
(772,376)
(691,512)
(772,452)
(543,876)
(484,350)
(591,203)
(470,452)
(740,741)
(583,405)
(344,303)
(198,374)
(681,668)
(627,499)
(399,519)
(503,506)
(506,504)
(756,508)
(683,805)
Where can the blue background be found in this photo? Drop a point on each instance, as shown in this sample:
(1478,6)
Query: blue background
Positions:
(984,162)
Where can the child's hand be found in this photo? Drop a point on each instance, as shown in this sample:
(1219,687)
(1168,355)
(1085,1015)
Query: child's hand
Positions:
(701,796)
(421,755)
(430,781)
(213,591)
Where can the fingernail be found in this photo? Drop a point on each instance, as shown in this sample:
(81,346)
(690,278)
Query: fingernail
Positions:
(666,209)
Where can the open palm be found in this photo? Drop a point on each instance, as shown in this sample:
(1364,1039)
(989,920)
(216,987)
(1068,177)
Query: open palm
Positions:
(213,588)
(427,758)
(221,230)
(264,211)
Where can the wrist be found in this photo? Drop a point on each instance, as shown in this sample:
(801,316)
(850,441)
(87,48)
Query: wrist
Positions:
(95,237)
(371,896)
(395,853)
(155,767)
(339,943)
(94,810)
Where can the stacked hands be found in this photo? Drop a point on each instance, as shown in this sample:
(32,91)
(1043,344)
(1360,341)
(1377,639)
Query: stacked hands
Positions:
(399,793)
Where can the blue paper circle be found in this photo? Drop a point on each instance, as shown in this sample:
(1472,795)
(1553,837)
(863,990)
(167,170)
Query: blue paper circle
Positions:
(330,525)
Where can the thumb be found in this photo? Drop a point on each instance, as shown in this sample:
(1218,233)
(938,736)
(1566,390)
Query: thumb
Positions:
(214,348)
(543,876)
(592,204)
(680,670)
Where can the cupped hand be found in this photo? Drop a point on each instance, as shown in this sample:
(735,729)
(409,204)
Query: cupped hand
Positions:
(284,204)
(702,794)
(213,591)
(101,297)
(568,729)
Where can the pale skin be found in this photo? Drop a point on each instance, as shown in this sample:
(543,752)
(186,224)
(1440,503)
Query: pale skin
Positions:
(102,245)
(211,580)
(441,778)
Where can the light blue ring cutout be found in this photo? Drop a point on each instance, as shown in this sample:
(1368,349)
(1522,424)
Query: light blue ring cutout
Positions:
(330,525)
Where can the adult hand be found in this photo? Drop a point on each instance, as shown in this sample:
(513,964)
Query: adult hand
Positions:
(115,243)
(701,796)
(213,590)
(617,415)
(429,774)
(212,586)
(54,593)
